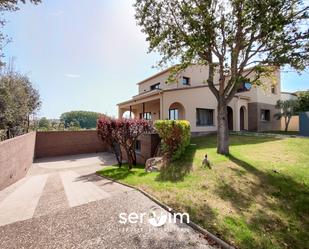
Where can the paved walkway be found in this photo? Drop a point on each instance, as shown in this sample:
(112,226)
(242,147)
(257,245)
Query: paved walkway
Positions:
(61,203)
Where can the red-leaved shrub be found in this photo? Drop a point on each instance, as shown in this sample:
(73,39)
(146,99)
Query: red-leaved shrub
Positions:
(122,133)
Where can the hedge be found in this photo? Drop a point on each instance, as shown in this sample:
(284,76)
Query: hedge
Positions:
(175,136)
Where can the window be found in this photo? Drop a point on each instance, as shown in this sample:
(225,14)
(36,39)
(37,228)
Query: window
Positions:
(173,114)
(155,86)
(273,89)
(147,116)
(185,80)
(204,117)
(244,87)
(265,115)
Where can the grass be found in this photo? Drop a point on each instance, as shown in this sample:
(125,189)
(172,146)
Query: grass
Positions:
(258,197)
(283,132)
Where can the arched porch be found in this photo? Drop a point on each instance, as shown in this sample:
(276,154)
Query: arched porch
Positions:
(176,111)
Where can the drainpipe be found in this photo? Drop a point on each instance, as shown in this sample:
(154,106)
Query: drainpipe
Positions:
(143,110)
(130,111)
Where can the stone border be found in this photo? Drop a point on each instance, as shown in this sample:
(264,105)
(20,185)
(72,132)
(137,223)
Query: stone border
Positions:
(193,225)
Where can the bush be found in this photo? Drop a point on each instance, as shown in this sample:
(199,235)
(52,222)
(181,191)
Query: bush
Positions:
(123,133)
(175,137)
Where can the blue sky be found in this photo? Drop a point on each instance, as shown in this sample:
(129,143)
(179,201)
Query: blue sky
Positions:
(84,56)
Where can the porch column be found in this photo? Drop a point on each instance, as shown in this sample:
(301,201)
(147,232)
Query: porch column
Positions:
(130,112)
(161,107)
(143,110)
(237,115)
(120,112)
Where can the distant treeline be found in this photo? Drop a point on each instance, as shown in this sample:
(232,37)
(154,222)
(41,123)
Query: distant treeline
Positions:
(73,120)
(83,119)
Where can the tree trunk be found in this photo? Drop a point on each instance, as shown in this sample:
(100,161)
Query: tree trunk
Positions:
(287,122)
(129,157)
(117,153)
(7,134)
(133,155)
(223,133)
(28,123)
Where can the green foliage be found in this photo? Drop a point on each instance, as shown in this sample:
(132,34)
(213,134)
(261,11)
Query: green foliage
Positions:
(18,100)
(303,102)
(233,38)
(175,136)
(44,124)
(2,135)
(237,32)
(80,119)
(74,125)
(286,111)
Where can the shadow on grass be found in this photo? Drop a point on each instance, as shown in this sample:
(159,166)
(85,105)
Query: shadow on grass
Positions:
(177,170)
(238,199)
(281,219)
(210,141)
(120,173)
(282,197)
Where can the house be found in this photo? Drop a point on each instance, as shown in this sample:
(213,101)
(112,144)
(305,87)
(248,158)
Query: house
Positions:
(190,98)
(288,96)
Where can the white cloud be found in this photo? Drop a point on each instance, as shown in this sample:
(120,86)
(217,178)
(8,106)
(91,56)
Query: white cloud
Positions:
(70,75)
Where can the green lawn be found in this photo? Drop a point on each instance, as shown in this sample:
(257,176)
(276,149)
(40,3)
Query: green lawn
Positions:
(258,197)
(283,132)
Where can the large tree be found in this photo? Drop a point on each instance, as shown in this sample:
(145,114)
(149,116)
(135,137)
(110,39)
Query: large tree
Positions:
(228,36)
(303,102)
(18,100)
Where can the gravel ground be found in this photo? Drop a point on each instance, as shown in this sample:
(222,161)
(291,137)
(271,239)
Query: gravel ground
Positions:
(55,224)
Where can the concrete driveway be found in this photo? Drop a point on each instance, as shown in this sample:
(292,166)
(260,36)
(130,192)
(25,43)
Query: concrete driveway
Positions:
(61,203)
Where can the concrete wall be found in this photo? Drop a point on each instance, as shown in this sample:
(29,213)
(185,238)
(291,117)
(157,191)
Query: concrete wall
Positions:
(61,143)
(16,156)
(254,116)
